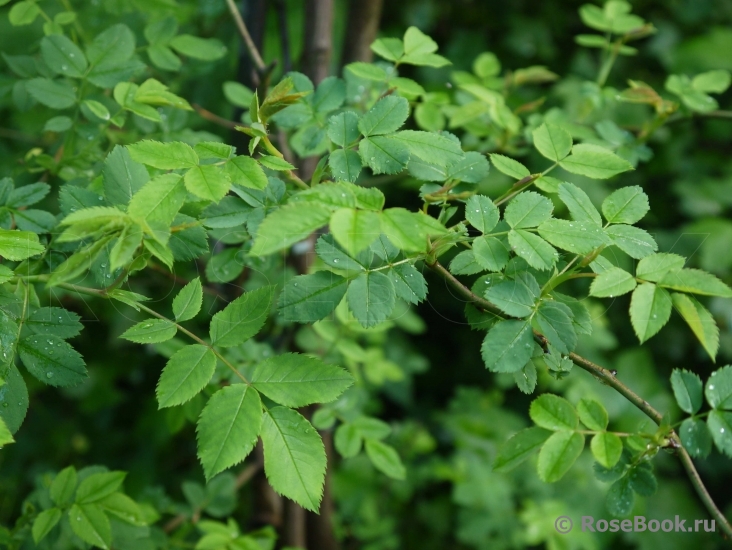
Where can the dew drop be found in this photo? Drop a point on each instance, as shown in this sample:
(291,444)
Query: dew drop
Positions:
(49,375)
(477,210)
(64,67)
(5,405)
(711,387)
(654,315)
(71,55)
(721,430)
(335,260)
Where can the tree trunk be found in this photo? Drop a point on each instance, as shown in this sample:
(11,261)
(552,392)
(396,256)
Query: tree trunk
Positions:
(363,24)
(318,39)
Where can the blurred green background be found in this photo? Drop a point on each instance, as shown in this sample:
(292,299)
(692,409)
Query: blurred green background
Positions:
(450,413)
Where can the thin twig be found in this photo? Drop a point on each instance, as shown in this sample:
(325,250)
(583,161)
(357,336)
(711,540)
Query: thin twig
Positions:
(609,378)
(216,119)
(253,51)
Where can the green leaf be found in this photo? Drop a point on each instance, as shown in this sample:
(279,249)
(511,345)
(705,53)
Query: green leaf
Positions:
(507,346)
(554,320)
(650,309)
(164,58)
(345,164)
(368,71)
(187,372)
(577,237)
(713,82)
(97,486)
(519,447)
(151,331)
(242,318)
(695,437)
(124,508)
(23,13)
(593,415)
(294,457)
(720,425)
(419,48)
(538,253)
(112,47)
(553,413)
(296,380)
(246,172)
(509,166)
(63,56)
(288,225)
(44,522)
(52,360)
(187,303)
(635,242)
(228,428)
(656,266)
(123,177)
(333,255)
(513,297)
(309,298)
(14,393)
(205,49)
(237,94)
(554,142)
(490,253)
(372,428)
(27,194)
(124,249)
(165,156)
(594,162)
(343,128)
(431,147)
(355,229)
(700,321)
(409,230)
(465,263)
(558,455)
(58,124)
(275,163)
(385,459)
(719,388)
(481,213)
(383,154)
(620,498)
(371,298)
(99,110)
(159,200)
(473,168)
(687,388)
(90,523)
(55,321)
(56,95)
(5,436)
(606,448)
(612,282)
(626,205)
(347,440)
(208,182)
(579,204)
(388,48)
(386,116)
(63,486)
(528,209)
(214,150)
(695,281)
(409,284)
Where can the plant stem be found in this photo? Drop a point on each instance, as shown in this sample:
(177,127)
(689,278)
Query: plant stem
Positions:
(607,377)
(101,293)
(251,47)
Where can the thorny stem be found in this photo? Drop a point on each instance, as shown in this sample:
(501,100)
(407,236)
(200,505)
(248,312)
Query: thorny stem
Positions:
(607,377)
